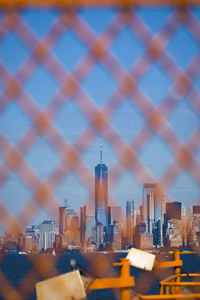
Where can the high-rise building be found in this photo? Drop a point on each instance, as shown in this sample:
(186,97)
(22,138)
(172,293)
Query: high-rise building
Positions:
(33,232)
(149,202)
(157,233)
(69,225)
(114,214)
(193,226)
(129,221)
(82,225)
(184,225)
(137,217)
(163,206)
(173,210)
(196,209)
(173,235)
(101,193)
(163,212)
(65,214)
(62,218)
(117,236)
(100,235)
(90,234)
(48,232)
(114,227)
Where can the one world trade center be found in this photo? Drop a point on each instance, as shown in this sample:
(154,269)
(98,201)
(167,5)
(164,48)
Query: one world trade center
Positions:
(101,193)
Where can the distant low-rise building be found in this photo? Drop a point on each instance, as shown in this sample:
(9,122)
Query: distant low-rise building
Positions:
(174,233)
(194,226)
(48,232)
(100,235)
(117,236)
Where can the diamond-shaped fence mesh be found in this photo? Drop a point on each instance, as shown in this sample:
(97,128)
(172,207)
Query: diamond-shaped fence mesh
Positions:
(73,77)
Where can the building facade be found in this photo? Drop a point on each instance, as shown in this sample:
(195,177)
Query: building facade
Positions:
(101,194)
(48,232)
(173,210)
(149,202)
(129,222)
(83,225)
(69,226)
(101,202)
(114,214)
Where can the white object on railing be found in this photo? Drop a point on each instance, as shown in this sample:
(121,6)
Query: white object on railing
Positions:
(141,259)
(63,287)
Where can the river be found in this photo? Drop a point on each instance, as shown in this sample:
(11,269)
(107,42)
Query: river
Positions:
(21,271)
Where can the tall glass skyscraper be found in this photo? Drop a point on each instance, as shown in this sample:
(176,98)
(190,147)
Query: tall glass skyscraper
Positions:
(129,221)
(149,202)
(101,193)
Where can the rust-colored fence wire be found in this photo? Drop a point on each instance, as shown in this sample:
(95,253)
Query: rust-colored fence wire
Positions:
(71,85)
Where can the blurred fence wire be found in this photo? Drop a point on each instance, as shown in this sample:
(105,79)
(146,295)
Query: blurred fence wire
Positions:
(71,86)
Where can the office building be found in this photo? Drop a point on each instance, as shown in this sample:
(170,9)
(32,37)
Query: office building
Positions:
(90,233)
(69,225)
(48,232)
(31,238)
(62,218)
(193,230)
(162,220)
(174,233)
(82,225)
(129,222)
(196,209)
(101,193)
(100,236)
(66,213)
(173,210)
(137,217)
(157,234)
(117,236)
(114,214)
(149,202)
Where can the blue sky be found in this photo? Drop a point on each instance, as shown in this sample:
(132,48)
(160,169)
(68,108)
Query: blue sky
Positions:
(99,85)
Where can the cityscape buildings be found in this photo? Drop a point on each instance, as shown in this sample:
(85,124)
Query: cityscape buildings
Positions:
(154,224)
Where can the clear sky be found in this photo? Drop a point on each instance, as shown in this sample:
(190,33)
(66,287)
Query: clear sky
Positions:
(99,86)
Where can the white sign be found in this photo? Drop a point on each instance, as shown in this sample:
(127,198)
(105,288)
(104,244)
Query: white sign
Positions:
(141,259)
(64,287)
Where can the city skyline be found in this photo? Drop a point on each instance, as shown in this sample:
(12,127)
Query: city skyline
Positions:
(172,228)
(157,223)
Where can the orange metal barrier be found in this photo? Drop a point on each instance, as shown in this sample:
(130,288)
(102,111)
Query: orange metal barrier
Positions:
(168,297)
(170,288)
(124,282)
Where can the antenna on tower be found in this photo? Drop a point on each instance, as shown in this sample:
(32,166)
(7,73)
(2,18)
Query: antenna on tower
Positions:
(101,154)
(66,202)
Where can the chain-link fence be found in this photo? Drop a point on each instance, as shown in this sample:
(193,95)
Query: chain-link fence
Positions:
(73,77)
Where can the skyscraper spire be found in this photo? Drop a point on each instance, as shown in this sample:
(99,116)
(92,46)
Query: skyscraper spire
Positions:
(101,192)
(101,154)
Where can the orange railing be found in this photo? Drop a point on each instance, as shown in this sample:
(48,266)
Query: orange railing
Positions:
(170,288)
